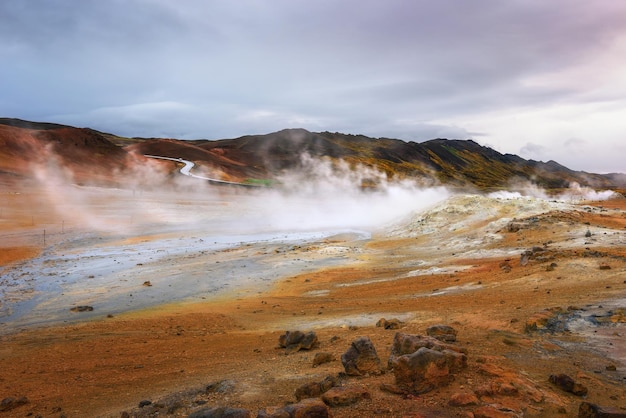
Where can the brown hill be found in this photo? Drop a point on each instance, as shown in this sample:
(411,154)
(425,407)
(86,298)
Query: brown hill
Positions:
(82,154)
(94,155)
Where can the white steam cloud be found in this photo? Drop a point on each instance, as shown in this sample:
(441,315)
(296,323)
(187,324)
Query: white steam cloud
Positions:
(575,193)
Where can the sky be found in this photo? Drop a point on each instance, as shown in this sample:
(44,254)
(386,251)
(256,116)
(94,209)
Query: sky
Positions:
(545,80)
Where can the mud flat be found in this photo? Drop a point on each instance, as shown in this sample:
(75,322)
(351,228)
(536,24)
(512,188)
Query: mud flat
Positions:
(111,275)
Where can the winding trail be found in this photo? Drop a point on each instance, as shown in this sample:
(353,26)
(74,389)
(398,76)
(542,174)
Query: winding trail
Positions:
(186,171)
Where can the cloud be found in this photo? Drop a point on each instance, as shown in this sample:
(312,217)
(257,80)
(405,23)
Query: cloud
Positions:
(400,68)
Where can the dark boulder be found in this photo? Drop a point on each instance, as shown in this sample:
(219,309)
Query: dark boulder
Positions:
(297,340)
(361,358)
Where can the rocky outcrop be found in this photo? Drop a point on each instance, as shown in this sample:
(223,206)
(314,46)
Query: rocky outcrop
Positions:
(443,333)
(293,341)
(393,323)
(589,410)
(221,412)
(315,389)
(426,369)
(345,396)
(361,358)
(423,363)
(568,384)
(314,408)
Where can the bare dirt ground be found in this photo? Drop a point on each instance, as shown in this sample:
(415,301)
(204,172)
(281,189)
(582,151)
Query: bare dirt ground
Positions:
(459,264)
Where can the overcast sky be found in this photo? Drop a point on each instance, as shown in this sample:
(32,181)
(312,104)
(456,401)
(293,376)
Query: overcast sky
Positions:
(542,79)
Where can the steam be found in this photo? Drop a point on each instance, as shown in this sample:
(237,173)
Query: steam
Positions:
(326,194)
(321,195)
(574,193)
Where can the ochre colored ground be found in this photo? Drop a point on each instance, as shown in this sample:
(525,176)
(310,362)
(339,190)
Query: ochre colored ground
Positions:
(103,367)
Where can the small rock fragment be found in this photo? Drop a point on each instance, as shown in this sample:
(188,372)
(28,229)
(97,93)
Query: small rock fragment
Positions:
(589,410)
(321,358)
(345,395)
(568,384)
(443,333)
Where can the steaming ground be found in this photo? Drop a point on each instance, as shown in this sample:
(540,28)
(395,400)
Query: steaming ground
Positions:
(201,282)
(116,250)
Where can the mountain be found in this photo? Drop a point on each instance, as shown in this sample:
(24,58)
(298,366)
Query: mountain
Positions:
(97,156)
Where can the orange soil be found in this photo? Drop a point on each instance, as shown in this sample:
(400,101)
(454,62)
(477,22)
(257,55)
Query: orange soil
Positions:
(102,367)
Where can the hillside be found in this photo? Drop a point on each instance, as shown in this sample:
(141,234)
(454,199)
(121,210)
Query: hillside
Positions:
(97,156)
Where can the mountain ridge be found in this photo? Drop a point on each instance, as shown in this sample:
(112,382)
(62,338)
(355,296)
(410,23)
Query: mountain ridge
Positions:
(453,162)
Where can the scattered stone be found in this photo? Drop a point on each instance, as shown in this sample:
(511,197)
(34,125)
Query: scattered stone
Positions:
(147,283)
(568,384)
(221,412)
(322,358)
(82,308)
(221,386)
(394,323)
(463,399)
(506,266)
(514,227)
(589,410)
(546,320)
(297,340)
(551,267)
(10,403)
(273,412)
(611,368)
(314,408)
(409,343)
(588,234)
(605,266)
(315,389)
(145,402)
(443,333)
(361,358)
(488,411)
(426,369)
(345,395)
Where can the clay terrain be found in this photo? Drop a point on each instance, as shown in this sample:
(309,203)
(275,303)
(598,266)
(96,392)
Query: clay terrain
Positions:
(178,298)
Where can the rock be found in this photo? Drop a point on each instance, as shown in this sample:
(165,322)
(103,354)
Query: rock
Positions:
(321,358)
(297,340)
(10,403)
(308,408)
(345,395)
(589,410)
(394,323)
(425,369)
(568,384)
(361,358)
(145,402)
(273,413)
(315,389)
(443,333)
(463,399)
(82,308)
(221,412)
(410,343)
(514,227)
(492,412)
(221,386)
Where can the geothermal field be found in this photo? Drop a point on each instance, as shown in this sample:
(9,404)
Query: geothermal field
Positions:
(170,301)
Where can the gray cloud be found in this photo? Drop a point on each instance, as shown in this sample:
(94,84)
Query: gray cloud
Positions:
(399,68)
